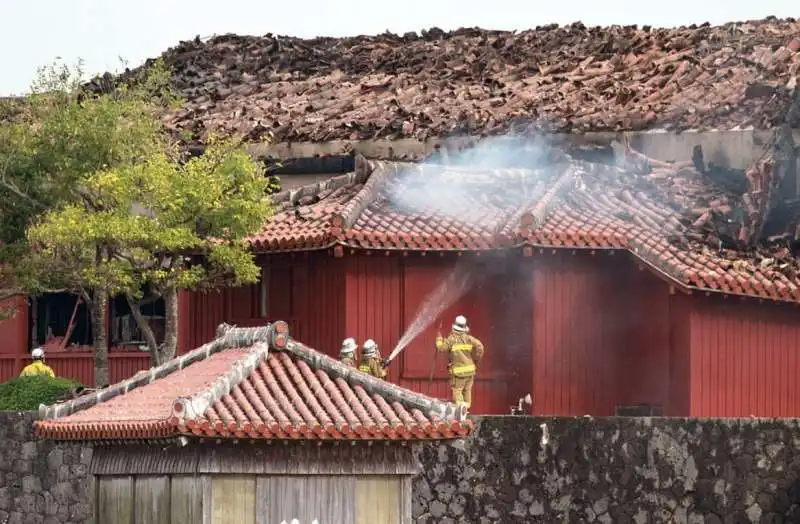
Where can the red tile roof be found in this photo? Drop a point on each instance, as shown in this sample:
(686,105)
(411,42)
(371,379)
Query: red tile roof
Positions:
(471,81)
(604,213)
(248,385)
(657,211)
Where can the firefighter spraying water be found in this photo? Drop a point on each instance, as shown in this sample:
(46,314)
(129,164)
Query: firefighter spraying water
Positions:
(449,290)
(464,352)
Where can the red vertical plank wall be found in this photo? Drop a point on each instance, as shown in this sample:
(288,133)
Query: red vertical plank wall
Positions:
(745,358)
(14,330)
(373,288)
(680,306)
(205,313)
(304,289)
(318,301)
(384,294)
(579,329)
(497,380)
(644,358)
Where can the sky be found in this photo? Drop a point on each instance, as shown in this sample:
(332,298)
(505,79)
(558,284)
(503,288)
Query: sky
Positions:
(34,33)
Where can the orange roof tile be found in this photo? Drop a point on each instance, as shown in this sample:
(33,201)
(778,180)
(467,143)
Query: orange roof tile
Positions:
(654,211)
(250,384)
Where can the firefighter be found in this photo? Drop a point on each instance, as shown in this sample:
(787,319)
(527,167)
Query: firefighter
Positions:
(37,367)
(371,360)
(464,352)
(347,355)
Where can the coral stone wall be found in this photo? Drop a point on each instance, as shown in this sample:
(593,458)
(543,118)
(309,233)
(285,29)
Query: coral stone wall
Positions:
(613,470)
(41,482)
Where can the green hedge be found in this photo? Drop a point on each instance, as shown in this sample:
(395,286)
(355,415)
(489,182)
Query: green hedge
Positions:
(26,393)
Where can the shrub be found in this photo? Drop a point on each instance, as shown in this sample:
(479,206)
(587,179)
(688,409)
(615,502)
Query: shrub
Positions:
(26,393)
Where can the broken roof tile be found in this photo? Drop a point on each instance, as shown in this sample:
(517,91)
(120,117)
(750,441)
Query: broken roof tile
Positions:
(477,82)
(697,224)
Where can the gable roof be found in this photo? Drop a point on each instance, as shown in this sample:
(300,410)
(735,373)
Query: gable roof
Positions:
(253,383)
(682,219)
(480,82)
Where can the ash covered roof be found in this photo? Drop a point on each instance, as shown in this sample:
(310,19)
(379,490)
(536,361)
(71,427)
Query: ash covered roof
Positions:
(478,82)
(253,383)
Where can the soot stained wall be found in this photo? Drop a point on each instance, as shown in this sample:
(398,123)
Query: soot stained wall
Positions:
(613,470)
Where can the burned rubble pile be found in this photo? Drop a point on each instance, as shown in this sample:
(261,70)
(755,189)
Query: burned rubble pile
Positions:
(479,82)
(750,219)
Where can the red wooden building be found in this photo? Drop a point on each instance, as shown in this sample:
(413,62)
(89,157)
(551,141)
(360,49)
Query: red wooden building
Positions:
(582,296)
(582,300)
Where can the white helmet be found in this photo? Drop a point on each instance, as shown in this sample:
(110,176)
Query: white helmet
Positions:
(370,347)
(37,354)
(460,324)
(349,346)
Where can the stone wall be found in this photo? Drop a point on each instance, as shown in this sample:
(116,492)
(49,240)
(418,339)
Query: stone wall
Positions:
(513,469)
(42,483)
(613,470)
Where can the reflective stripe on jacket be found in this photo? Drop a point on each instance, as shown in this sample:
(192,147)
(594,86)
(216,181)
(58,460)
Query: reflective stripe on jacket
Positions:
(372,365)
(463,353)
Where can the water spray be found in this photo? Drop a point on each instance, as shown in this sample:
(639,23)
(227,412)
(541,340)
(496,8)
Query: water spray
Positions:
(457,283)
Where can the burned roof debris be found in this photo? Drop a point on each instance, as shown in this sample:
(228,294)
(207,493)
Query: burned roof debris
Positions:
(478,82)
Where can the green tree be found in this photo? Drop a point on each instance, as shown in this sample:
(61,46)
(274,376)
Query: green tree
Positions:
(123,212)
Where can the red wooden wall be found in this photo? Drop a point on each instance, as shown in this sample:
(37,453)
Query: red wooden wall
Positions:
(644,358)
(579,333)
(13,337)
(584,333)
(680,307)
(745,358)
(384,294)
(602,336)
(304,289)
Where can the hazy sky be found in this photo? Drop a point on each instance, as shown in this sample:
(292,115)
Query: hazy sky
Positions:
(35,32)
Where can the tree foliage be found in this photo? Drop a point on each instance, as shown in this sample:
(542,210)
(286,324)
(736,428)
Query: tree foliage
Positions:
(59,133)
(107,205)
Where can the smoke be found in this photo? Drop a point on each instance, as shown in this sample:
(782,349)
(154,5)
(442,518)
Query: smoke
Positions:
(494,177)
(492,181)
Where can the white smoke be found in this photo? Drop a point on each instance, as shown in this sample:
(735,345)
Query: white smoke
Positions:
(460,187)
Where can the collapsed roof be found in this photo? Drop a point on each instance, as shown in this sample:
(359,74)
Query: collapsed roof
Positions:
(478,82)
(253,384)
(699,225)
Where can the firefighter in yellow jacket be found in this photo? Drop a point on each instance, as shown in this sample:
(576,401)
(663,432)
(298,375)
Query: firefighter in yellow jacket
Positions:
(347,355)
(371,360)
(37,367)
(464,352)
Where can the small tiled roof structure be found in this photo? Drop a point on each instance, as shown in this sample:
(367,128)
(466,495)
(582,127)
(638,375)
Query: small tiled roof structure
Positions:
(657,211)
(253,384)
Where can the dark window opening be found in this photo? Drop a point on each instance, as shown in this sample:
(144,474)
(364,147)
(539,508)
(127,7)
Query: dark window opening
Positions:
(50,319)
(125,333)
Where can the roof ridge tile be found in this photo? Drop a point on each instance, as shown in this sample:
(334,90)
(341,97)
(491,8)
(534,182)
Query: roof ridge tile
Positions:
(292,195)
(192,407)
(377,174)
(227,337)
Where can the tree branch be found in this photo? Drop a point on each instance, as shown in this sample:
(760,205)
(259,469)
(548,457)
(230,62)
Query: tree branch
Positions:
(11,186)
(144,327)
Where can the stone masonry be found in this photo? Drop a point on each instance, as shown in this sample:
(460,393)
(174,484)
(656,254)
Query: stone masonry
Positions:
(613,470)
(513,469)
(42,482)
